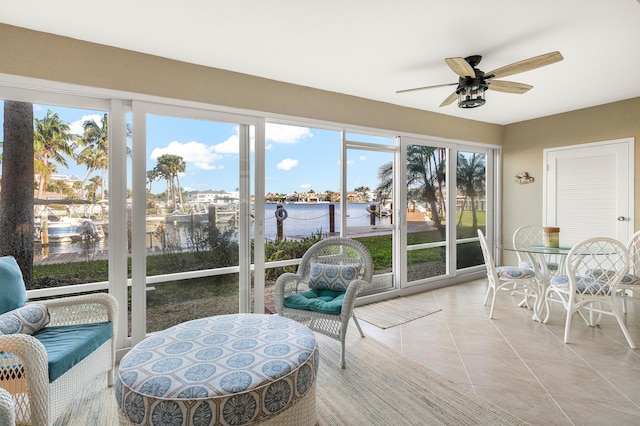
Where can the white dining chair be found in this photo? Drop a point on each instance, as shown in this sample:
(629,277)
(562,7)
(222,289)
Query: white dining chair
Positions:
(512,279)
(531,235)
(594,270)
(629,288)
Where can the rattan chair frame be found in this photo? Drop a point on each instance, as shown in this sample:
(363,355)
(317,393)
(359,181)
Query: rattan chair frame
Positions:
(335,251)
(594,269)
(24,366)
(631,290)
(526,287)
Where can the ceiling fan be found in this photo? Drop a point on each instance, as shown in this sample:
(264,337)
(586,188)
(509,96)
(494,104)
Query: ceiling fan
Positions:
(473,82)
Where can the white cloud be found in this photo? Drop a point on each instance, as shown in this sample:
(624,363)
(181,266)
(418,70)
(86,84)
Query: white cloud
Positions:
(287,164)
(363,158)
(200,155)
(281,133)
(76,126)
(305,186)
(230,146)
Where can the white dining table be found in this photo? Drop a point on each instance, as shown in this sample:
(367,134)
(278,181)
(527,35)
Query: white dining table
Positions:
(538,256)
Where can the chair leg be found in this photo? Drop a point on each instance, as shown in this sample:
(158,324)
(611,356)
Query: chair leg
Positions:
(567,326)
(343,362)
(486,296)
(353,315)
(616,313)
(493,303)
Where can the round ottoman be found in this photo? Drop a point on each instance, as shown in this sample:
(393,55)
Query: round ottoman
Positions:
(224,370)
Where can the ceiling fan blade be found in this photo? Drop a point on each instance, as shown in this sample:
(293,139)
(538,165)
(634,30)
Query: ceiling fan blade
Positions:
(526,65)
(425,87)
(508,86)
(452,97)
(461,67)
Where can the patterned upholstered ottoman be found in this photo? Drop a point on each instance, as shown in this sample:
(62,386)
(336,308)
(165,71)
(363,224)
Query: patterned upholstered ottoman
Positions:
(224,370)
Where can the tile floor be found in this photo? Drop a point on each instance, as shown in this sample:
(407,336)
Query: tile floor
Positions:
(522,365)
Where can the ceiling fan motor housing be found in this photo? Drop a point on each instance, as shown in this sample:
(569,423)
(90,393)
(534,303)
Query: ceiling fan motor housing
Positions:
(471,90)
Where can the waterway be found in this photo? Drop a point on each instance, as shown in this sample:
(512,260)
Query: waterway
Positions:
(301,220)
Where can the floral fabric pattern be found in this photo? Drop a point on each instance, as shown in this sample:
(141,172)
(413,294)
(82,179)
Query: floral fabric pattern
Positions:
(27,319)
(224,370)
(514,272)
(331,277)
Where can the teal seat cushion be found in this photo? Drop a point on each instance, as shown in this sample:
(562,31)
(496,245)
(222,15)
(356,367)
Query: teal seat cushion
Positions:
(319,300)
(67,345)
(13,293)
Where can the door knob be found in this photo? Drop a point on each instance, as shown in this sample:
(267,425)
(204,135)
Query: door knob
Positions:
(621,218)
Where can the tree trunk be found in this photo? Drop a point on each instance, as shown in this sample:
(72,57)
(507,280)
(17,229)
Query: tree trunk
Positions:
(16,203)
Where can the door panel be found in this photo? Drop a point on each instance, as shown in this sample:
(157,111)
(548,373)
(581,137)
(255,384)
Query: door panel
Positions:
(589,191)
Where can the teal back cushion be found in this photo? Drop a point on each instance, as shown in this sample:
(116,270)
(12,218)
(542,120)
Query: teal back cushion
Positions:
(13,294)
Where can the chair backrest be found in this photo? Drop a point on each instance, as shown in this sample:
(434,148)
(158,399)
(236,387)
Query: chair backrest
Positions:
(338,251)
(525,236)
(633,247)
(597,265)
(14,293)
(492,275)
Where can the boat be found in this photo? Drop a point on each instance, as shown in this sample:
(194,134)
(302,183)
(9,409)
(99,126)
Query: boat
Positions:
(64,230)
(379,210)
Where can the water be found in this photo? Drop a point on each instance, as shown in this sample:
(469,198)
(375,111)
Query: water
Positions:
(302,220)
(306,219)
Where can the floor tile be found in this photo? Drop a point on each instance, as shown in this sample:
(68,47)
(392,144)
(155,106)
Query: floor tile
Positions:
(522,365)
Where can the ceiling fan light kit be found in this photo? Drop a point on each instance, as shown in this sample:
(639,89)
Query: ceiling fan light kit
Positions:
(471,91)
(473,83)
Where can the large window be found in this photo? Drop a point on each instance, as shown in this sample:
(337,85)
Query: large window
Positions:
(196,219)
(66,171)
(471,207)
(190,212)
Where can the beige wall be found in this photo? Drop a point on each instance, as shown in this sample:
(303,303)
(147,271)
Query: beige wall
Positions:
(41,55)
(524,142)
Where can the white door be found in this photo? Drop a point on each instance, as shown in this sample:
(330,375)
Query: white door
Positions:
(588,190)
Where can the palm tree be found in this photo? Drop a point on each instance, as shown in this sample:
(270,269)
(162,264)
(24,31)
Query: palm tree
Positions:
(363,192)
(93,158)
(168,168)
(425,172)
(96,143)
(52,141)
(470,174)
(16,203)
(91,189)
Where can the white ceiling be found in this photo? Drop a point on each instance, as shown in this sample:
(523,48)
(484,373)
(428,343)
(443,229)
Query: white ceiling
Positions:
(371,48)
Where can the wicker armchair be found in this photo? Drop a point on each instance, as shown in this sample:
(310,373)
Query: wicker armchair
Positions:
(7,412)
(322,293)
(39,394)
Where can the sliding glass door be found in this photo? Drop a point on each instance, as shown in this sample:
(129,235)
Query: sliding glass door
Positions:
(370,213)
(190,210)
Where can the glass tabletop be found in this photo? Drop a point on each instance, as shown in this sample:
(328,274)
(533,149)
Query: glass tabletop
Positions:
(540,249)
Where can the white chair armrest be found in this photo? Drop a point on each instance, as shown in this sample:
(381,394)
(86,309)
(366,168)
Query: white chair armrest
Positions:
(88,308)
(25,354)
(286,284)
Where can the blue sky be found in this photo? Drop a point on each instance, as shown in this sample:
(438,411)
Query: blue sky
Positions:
(297,158)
